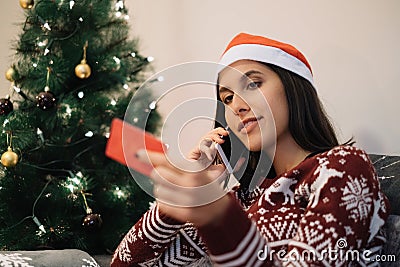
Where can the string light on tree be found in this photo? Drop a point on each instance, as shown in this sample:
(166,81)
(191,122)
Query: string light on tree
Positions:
(83,70)
(66,112)
(34,218)
(120,10)
(42,43)
(153,105)
(18,90)
(120,194)
(6,121)
(46,100)
(89,134)
(45,24)
(45,43)
(26,4)
(75,183)
(119,5)
(117,63)
(39,224)
(40,135)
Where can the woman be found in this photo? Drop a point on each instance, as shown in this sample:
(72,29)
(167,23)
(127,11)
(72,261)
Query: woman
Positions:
(323,208)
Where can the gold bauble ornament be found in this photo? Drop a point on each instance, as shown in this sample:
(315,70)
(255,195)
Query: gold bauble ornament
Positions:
(83,70)
(10,74)
(26,4)
(9,158)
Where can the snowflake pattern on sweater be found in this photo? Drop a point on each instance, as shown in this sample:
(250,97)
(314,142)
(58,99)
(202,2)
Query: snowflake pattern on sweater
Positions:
(329,202)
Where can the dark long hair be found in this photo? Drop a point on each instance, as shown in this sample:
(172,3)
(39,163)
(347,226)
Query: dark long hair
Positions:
(308,122)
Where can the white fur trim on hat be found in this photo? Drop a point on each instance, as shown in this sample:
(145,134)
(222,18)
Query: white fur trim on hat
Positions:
(267,54)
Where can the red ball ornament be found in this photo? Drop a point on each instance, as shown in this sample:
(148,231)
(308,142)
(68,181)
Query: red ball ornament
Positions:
(92,221)
(45,100)
(6,106)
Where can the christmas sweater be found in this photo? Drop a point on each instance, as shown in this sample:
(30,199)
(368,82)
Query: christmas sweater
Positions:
(326,211)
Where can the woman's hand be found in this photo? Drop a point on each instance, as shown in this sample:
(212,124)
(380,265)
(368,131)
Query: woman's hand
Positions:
(205,152)
(193,194)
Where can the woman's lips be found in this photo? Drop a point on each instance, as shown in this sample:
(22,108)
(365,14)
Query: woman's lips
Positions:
(248,124)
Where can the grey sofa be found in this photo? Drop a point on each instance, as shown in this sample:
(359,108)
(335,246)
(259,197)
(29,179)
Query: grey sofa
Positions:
(388,169)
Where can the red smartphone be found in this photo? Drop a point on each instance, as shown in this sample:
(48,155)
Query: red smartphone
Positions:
(124,142)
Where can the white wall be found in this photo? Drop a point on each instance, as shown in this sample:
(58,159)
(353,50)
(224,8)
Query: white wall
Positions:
(10,14)
(352,47)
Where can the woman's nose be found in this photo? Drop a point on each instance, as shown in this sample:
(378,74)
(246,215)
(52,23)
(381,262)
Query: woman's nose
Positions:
(239,106)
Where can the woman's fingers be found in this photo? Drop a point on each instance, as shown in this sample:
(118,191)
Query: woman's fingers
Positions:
(173,177)
(217,135)
(188,190)
(207,147)
(153,158)
(220,131)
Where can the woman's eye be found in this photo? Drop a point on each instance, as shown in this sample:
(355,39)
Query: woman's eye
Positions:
(227,99)
(254,85)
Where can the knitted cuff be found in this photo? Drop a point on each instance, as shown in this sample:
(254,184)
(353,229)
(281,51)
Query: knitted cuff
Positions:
(158,227)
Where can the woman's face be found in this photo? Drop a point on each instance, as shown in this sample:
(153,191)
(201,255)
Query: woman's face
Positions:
(256,109)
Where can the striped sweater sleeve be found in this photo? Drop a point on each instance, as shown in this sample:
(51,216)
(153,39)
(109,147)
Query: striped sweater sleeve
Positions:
(147,239)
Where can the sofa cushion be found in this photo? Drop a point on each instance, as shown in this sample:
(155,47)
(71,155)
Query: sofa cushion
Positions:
(47,258)
(391,250)
(388,170)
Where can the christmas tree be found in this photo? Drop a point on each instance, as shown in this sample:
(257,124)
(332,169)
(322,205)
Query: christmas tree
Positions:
(74,70)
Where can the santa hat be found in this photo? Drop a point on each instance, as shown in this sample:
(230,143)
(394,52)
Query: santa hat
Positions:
(259,48)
